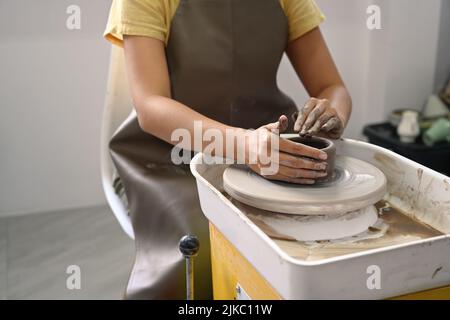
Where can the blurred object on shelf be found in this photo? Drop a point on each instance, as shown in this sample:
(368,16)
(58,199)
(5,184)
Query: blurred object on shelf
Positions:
(439,131)
(435,108)
(445,94)
(396,116)
(408,129)
(426,124)
(436,157)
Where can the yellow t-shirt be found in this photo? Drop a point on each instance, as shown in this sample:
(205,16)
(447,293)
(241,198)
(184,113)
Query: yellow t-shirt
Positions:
(152,18)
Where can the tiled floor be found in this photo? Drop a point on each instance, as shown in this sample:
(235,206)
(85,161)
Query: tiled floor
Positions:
(35,251)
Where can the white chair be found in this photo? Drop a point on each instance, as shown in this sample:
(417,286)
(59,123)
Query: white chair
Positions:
(118,106)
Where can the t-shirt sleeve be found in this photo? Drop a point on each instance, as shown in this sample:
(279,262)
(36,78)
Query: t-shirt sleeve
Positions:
(302,15)
(136,17)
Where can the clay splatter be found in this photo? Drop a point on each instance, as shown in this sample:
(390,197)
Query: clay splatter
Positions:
(446,184)
(435,272)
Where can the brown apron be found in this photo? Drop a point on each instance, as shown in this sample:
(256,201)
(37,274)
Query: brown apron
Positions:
(223,58)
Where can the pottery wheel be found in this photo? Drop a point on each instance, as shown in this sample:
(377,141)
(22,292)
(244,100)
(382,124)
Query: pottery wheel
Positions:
(314,228)
(355,184)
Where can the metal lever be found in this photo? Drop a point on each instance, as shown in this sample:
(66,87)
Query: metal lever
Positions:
(189,246)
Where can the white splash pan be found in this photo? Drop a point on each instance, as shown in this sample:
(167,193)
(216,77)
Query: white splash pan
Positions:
(405,268)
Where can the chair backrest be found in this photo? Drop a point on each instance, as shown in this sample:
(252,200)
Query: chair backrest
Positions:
(118,106)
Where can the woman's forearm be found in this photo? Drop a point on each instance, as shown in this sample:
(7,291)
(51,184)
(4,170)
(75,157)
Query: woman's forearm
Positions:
(162,116)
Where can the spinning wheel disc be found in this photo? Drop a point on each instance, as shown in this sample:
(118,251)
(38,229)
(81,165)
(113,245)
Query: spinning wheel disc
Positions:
(356,184)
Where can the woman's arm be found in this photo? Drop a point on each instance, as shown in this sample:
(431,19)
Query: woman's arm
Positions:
(149,82)
(160,116)
(328,111)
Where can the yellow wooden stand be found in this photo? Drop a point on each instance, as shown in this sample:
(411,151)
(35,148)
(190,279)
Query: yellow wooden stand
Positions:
(229,268)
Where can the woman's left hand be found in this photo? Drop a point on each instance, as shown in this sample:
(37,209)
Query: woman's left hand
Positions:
(318,117)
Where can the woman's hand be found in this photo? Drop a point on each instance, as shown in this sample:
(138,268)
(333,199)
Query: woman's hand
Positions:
(328,114)
(289,161)
(318,117)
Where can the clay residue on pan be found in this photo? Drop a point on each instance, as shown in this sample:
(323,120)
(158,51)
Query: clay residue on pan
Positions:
(419,202)
(393,172)
(418,197)
(419,174)
(446,184)
(269,230)
(403,225)
(389,165)
(399,228)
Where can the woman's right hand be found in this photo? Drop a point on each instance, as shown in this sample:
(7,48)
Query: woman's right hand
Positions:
(289,161)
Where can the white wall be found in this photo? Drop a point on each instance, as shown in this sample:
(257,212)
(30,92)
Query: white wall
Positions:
(51,98)
(383,69)
(53,86)
(410,42)
(346,34)
(443,55)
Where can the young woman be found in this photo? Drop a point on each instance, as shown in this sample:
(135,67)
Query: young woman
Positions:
(213,61)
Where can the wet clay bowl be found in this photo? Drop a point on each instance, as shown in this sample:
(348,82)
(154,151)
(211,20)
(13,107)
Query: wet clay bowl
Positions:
(326,146)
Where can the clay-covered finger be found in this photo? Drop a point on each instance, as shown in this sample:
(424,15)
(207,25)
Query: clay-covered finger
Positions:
(298,149)
(303,114)
(313,116)
(280,125)
(314,129)
(323,119)
(289,160)
(283,123)
(331,124)
(273,126)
